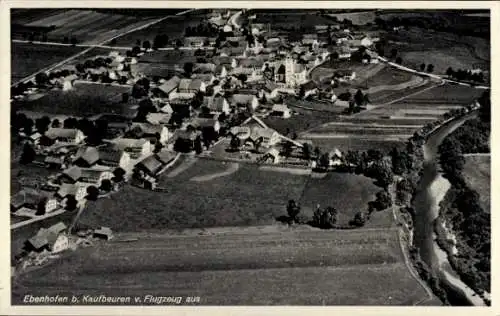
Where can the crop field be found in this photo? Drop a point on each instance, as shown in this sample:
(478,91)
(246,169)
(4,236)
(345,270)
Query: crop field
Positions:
(286,19)
(173,27)
(85,99)
(233,200)
(315,105)
(362,267)
(357,18)
(363,144)
(359,129)
(338,190)
(445,94)
(87,26)
(27,59)
(477,173)
(388,76)
(298,123)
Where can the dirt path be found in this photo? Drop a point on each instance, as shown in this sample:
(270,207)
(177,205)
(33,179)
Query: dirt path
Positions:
(232,168)
(36,219)
(186,164)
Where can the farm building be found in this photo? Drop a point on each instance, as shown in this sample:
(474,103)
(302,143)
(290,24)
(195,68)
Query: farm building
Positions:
(191,86)
(113,157)
(166,156)
(103,233)
(267,137)
(272,155)
(206,78)
(149,131)
(53,239)
(242,132)
(65,135)
(86,157)
(78,191)
(167,87)
(134,147)
(206,123)
(95,177)
(217,105)
(159,118)
(203,68)
(309,88)
(185,140)
(149,166)
(246,101)
(195,41)
(33,200)
(270,90)
(281,110)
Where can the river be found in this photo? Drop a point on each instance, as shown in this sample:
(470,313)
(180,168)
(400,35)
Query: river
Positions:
(426,209)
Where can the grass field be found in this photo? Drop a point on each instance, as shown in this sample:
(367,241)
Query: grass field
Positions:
(362,267)
(298,123)
(85,99)
(477,173)
(27,59)
(234,200)
(338,190)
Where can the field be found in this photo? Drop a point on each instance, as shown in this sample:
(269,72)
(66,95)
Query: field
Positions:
(27,59)
(298,123)
(477,173)
(173,27)
(389,125)
(443,50)
(357,18)
(338,190)
(294,267)
(286,19)
(86,26)
(237,199)
(85,99)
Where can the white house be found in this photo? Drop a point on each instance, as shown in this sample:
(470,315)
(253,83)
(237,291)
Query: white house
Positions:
(245,100)
(217,104)
(95,176)
(227,28)
(151,130)
(281,110)
(134,147)
(66,135)
(113,157)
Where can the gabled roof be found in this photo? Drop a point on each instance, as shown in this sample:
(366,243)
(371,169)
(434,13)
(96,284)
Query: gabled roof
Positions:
(204,67)
(251,62)
(111,153)
(258,132)
(88,154)
(170,85)
(215,103)
(152,164)
(54,133)
(158,118)
(104,231)
(270,86)
(187,134)
(184,84)
(26,196)
(242,132)
(146,128)
(310,85)
(203,122)
(67,189)
(124,143)
(243,98)
(204,77)
(280,108)
(73,173)
(273,152)
(166,156)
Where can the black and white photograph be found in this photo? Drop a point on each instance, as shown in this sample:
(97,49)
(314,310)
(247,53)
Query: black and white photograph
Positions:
(254,156)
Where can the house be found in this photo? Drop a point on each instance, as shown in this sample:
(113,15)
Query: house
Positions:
(206,123)
(310,39)
(33,200)
(217,105)
(207,78)
(94,176)
(272,155)
(134,147)
(86,157)
(247,101)
(195,41)
(166,156)
(166,108)
(167,87)
(242,132)
(227,28)
(335,157)
(159,118)
(103,233)
(344,75)
(78,191)
(70,175)
(281,110)
(186,138)
(309,88)
(270,90)
(34,138)
(66,135)
(54,162)
(53,239)
(204,68)
(145,130)
(345,53)
(113,157)
(149,166)
(267,137)
(191,86)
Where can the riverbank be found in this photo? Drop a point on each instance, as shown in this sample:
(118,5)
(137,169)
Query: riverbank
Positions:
(437,192)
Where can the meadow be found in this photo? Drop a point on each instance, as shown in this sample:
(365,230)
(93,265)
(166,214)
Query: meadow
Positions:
(477,174)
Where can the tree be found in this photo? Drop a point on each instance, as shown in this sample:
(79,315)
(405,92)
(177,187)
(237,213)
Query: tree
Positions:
(422,67)
(106,185)
(359,98)
(450,72)
(243,78)
(430,68)
(324,161)
(40,208)
(235,143)
(197,146)
(73,40)
(287,149)
(178,43)
(136,50)
(359,219)
(56,123)
(41,78)
(188,68)
(28,126)
(306,151)
(42,124)
(394,52)
(28,154)
(399,60)
(317,152)
(92,193)
(326,218)
(146,45)
(293,210)
(383,200)
(71,203)
(119,175)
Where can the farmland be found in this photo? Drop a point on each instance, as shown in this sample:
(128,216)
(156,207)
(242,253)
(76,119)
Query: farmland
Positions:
(86,26)
(236,199)
(346,186)
(305,119)
(85,99)
(27,59)
(256,268)
(477,173)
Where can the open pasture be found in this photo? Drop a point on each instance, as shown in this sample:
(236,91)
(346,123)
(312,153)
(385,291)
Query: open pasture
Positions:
(477,173)
(85,99)
(384,144)
(363,267)
(348,193)
(246,197)
(356,130)
(27,59)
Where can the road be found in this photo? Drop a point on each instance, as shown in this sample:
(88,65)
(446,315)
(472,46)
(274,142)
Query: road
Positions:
(37,219)
(61,63)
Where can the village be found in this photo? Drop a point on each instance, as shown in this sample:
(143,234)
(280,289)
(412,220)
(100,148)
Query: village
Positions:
(230,97)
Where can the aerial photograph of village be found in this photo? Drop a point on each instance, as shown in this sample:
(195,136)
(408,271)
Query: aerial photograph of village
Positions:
(250,156)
